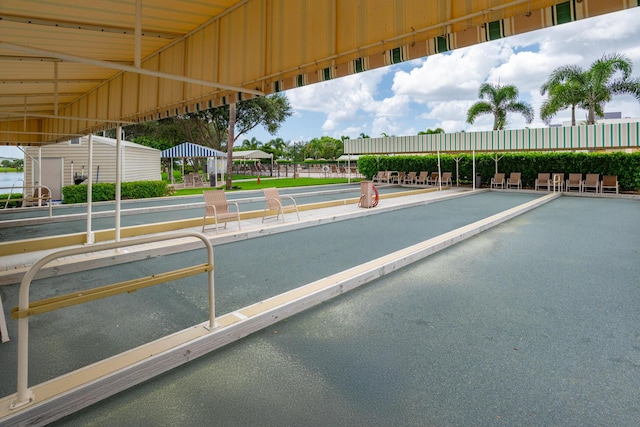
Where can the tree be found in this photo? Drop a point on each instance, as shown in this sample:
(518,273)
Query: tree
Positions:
(596,85)
(500,100)
(431,131)
(237,119)
(561,96)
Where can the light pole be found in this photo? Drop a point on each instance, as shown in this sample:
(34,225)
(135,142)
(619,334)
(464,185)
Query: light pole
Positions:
(295,166)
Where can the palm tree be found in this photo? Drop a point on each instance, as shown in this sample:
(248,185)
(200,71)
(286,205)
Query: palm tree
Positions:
(598,83)
(561,96)
(499,101)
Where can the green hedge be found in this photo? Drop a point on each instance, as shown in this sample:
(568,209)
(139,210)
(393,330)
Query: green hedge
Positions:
(624,165)
(11,204)
(107,191)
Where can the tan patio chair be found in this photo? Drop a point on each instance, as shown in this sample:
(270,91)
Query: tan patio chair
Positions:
(433,179)
(274,203)
(399,178)
(410,178)
(39,194)
(591,181)
(609,183)
(497,180)
(557,181)
(422,178)
(574,181)
(515,180)
(380,177)
(446,178)
(543,180)
(216,206)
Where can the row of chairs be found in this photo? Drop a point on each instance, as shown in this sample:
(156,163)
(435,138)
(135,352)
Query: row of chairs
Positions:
(217,206)
(412,178)
(556,181)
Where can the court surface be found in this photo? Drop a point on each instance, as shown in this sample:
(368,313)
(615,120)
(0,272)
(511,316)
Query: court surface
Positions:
(533,322)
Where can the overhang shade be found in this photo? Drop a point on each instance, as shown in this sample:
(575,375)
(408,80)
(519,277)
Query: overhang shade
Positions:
(70,69)
(251,154)
(609,136)
(189,149)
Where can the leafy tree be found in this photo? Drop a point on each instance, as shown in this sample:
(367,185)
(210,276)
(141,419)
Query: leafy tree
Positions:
(599,83)
(237,119)
(499,100)
(431,131)
(254,144)
(561,96)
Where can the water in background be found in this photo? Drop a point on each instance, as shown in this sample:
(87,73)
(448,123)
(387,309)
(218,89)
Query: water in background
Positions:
(7,179)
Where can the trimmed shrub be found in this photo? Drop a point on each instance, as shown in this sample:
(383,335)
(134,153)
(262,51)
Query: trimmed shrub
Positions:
(624,165)
(107,191)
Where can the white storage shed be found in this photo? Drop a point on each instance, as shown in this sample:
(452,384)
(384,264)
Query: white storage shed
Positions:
(64,161)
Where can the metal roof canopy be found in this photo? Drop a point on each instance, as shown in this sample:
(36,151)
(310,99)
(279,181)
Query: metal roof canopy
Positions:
(73,69)
(251,154)
(189,149)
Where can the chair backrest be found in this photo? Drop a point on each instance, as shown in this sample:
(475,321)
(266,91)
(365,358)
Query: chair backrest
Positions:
(592,178)
(446,176)
(216,198)
(515,176)
(434,176)
(609,180)
(411,176)
(423,175)
(543,177)
(575,178)
(272,196)
(44,191)
(499,177)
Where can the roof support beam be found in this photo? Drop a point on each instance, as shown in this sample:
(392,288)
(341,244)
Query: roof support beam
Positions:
(125,68)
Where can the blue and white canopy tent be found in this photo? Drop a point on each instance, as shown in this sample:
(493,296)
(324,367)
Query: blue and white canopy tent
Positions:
(189,149)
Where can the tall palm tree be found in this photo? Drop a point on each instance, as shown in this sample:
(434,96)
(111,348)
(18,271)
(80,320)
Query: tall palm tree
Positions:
(561,96)
(500,100)
(599,83)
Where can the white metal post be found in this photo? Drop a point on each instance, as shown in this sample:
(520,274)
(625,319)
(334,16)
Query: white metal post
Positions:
(473,178)
(90,192)
(118,179)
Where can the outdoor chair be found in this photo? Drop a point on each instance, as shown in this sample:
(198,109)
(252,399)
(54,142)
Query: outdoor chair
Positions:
(497,180)
(216,206)
(574,181)
(543,180)
(380,177)
(274,203)
(591,181)
(39,194)
(422,178)
(557,181)
(410,178)
(187,180)
(399,178)
(433,179)
(609,183)
(515,180)
(446,178)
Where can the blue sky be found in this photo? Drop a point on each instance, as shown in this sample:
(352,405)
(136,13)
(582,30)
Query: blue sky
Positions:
(437,91)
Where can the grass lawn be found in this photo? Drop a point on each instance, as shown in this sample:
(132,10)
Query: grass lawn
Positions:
(266,183)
